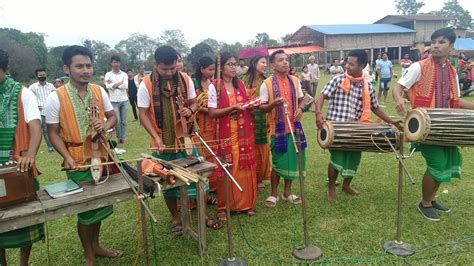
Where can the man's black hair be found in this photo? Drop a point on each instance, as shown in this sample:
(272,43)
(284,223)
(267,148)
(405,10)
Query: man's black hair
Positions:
(115,58)
(39,70)
(362,57)
(447,33)
(74,50)
(274,54)
(166,54)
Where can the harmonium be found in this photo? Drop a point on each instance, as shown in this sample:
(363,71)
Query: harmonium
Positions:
(15,186)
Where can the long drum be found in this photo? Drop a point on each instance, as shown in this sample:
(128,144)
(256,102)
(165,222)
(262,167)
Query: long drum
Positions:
(443,127)
(357,136)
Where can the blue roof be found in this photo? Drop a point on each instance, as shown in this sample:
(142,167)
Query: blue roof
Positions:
(464,44)
(359,29)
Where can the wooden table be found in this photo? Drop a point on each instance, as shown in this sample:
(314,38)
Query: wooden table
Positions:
(115,190)
(204,169)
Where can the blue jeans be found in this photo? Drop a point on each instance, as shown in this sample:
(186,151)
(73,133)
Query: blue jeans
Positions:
(121,109)
(44,130)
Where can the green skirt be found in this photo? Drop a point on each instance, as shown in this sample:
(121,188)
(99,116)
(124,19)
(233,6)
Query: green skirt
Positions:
(23,237)
(442,162)
(285,164)
(345,162)
(92,216)
(174,192)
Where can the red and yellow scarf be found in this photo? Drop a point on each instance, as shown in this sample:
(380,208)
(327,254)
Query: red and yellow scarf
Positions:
(246,134)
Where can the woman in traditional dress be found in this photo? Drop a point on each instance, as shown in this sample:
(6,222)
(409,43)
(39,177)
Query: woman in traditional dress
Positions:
(202,79)
(234,123)
(253,80)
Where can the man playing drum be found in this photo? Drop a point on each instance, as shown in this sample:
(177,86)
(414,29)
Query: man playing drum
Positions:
(20,130)
(432,83)
(351,98)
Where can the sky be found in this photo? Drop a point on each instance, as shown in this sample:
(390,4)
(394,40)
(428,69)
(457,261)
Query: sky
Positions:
(70,22)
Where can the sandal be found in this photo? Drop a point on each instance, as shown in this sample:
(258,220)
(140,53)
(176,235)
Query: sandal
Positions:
(213,224)
(292,199)
(222,216)
(211,200)
(176,228)
(271,201)
(251,212)
(260,186)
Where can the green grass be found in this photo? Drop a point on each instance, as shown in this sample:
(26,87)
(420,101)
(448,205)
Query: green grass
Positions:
(351,231)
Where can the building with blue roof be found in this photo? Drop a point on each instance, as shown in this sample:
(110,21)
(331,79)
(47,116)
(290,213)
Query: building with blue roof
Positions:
(393,34)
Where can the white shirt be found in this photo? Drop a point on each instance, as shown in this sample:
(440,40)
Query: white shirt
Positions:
(337,69)
(53,106)
(136,79)
(413,75)
(264,92)
(119,94)
(41,93)
(366,73)
(143,98)
(30,105)
(314,71)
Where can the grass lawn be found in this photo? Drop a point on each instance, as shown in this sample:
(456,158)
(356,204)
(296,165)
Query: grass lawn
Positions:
(351,231)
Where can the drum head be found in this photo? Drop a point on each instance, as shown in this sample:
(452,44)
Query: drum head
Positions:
(326,135)
(417,125)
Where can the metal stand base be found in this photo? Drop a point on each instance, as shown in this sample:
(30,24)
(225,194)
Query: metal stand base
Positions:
(233,262)
(398,248)
(307,253)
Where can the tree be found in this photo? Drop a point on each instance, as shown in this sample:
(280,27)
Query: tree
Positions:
(175,39)
(55,62)
(264,39)
(408,7)
(22,59)
(214,44)
(285,39)
(232,48)
(199,50)
(33,40)
(461,17)
(138,48)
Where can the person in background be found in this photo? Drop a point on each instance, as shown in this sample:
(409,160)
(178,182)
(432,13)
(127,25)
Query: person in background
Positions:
(385,70)
(132,93)
(336,68)
(116,82)
(242,68)
(405,63)
(305,78)
(58,83)
(42,89)
(315,74)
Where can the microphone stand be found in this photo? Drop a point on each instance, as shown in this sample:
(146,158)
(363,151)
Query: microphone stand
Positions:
(307,251)
(398,247)
(231,259)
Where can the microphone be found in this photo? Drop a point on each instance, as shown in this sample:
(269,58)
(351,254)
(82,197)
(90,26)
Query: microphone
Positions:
(192,161)
(385,133)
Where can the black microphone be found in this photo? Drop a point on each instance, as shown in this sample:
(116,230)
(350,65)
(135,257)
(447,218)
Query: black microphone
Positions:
(385,133)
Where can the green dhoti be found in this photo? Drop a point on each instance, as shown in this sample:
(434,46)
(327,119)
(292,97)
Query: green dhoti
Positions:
(285,164)
(345,162)
(23,237)
(442,162)
(174,192)
(92,216)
